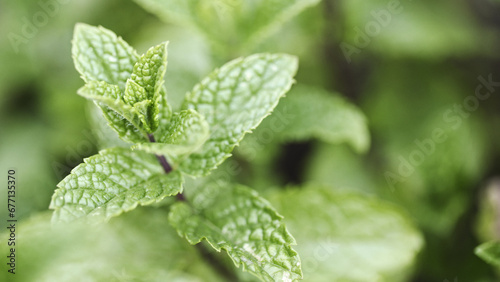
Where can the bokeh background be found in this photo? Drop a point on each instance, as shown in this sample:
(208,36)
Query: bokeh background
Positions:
(413,68)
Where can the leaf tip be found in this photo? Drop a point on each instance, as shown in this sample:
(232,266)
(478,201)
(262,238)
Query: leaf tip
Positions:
(80,27)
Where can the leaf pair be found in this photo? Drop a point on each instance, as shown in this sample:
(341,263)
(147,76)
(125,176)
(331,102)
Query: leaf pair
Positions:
(233,100)
(233,218)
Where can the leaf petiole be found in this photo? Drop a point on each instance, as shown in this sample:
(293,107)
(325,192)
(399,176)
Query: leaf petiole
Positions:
(166,166)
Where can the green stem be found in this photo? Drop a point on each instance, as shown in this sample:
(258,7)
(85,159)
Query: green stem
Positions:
(209,257)
(166,166)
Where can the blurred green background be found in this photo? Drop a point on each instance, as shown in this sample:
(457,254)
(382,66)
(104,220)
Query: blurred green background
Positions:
(412,68)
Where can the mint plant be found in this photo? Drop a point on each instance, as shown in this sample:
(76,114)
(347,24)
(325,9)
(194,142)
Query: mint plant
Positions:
(396,209)
(167,146)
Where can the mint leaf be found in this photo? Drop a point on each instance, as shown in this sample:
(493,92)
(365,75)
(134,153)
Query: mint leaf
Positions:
(135,84)
(110,183)
(127,121)
(125,129)
(134,93)
(105,136)
(141,105)
(234,99)
(187,131)
(100,55)
(236,219)
(148,75)
(164,116)
(489,252)
(309,112)
(150,70)
(348,236)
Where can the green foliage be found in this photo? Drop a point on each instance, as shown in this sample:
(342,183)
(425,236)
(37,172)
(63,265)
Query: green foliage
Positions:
(334,230)
(144,89)
(310,113)
(408,76)
(187,131)
(236,219)
(128,89)
(105,62)
(100,55)
(128,121)
(110,183)
(215,116)
(316,113)
(234,99)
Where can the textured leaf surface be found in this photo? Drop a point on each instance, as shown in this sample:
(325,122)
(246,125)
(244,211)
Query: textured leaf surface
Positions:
(187,131)
(150,70)
(137,246)
(348,236)
(489,252)
(125,129)
(103,58)
(105,136)
(236,219)
(134,100)
(124,119)
(100,55)
(148,74)
(234,99)
(244,22)
(164,115)
(110,183)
